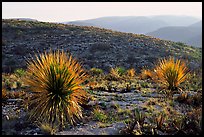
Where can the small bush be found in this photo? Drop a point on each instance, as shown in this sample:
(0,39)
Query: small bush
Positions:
(20,72)
(116,73)
(146,74)
(99,115)
(121,70)
(47,129)
(96,71)
(131,72)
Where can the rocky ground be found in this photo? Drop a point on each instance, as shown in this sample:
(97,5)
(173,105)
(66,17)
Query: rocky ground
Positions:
(14,118)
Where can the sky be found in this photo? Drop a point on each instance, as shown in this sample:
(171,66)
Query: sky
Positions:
(71,11)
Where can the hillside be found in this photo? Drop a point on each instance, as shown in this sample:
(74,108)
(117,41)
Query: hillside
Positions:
(94,47)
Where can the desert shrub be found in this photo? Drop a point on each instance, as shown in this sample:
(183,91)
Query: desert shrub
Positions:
(113,74)
(116,73)
(55,78)
(171,73)
(96,71)
(19,72)
(131,72)
(146,74)
(193,82)
(189,124)
(121,70)
(194,100)
(135,126)
(47,129)
(99,115)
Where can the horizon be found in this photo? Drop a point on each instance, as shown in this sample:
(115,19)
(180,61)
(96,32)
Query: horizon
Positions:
(76,11)
(98,17)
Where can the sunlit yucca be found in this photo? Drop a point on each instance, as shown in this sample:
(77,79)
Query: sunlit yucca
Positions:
(146,74)
(56,79)
(131,72)
(171,73)
(114,72)
(117,72)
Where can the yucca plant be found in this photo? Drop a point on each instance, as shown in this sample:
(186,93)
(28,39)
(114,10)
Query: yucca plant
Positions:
(114,73)
(171,73)
(131,72)
(56,78)
(146,74)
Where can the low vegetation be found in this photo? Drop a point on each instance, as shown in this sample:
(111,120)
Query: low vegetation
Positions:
(55,93)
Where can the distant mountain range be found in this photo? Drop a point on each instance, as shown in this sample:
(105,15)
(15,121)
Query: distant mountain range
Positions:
(185,29)
(191,35)
(137,24)
(124,24)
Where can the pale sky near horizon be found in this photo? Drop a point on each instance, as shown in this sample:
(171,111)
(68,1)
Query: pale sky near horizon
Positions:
(70,11)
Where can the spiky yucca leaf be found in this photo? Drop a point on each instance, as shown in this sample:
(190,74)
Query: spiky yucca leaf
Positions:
(171,73)
(56,79)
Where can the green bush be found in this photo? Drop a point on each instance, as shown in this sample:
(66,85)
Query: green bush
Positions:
(20,72)
(96,71)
